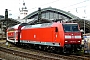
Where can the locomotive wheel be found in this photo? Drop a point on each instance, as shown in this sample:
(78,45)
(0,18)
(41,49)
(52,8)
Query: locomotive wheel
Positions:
(46,48)
(59,50)
(36,47)
(32,46)
(51,49)
(41,47)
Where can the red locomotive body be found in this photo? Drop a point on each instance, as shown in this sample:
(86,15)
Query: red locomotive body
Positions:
(64,35)
(45,34)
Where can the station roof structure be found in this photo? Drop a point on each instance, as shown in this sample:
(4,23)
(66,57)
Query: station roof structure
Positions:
(54,10)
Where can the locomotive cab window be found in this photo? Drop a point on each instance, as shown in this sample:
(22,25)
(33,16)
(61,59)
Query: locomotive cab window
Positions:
(70,27)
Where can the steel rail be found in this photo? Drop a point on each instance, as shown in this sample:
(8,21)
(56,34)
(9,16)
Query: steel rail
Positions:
(27,55)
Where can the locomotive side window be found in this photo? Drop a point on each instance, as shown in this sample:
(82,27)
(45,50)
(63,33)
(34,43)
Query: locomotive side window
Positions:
(70,27)
(56,29)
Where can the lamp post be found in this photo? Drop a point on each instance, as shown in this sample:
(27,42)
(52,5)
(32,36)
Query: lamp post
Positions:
(39,15)
(6,18)
(84,25)
(84,20)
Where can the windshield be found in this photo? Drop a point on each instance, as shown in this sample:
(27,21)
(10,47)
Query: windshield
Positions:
(70,27)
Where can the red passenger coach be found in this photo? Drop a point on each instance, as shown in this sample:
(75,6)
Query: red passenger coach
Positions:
(12,33)
(64,36)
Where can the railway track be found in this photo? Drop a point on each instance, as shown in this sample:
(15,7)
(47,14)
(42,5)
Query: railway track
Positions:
(28,55)
(41,55)
(45,56)
(4,38)
(68,56)
(80,57)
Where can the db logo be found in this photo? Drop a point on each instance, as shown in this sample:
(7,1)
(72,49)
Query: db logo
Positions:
(73,41)
(72,36)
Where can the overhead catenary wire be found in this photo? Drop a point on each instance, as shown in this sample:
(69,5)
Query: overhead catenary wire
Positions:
(76,4)
(45,4)
(63,7)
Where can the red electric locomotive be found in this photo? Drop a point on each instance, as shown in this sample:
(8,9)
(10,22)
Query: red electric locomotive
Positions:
(64,37)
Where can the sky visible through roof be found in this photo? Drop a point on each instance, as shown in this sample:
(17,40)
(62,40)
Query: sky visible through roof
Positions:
(79,8)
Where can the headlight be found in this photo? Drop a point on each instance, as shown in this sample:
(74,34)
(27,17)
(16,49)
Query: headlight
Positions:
(66,36)
(66,41)
(78,41)
(77,37)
